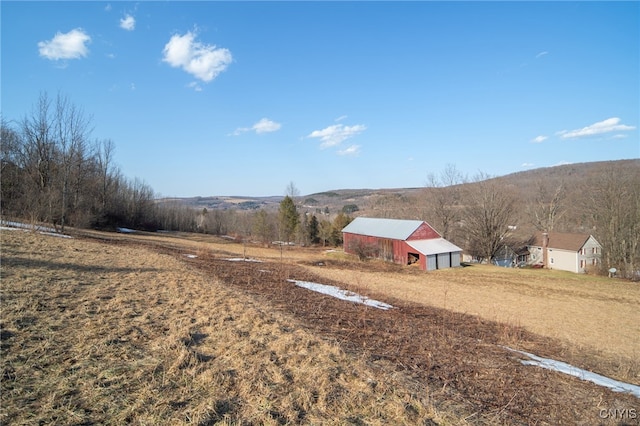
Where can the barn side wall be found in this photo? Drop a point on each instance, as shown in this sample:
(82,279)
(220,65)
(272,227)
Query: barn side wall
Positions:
(424,232)
(406,249)
(387,249)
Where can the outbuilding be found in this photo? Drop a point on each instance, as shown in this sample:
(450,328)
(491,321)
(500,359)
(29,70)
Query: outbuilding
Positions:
(401,241)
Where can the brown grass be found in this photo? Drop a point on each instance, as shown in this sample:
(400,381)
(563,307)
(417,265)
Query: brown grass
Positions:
(134,331)
(585,312)
(121,335)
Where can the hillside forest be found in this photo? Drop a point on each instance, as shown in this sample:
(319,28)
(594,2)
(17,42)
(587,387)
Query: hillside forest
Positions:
(54,172)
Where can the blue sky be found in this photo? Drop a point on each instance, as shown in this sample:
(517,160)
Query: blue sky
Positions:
(242,98)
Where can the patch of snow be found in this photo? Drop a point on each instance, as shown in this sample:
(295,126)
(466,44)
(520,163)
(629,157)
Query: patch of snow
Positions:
(125,230)
(242,259)
(341,294)
(191,256)
(27,226)
(53,234)
(17,226)
(563,367)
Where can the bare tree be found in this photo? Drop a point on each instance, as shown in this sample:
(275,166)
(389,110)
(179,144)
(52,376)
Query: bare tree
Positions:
(71,132)
(292,191)
(614,204)
(104,158)
(325,230)
(11,185)
(37,159)
(263,227)
(547,207)
(487,216)
(444,209)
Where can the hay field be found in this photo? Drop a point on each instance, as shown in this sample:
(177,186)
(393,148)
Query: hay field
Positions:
(134,329)
(118,334)
(587,312)
(584,311)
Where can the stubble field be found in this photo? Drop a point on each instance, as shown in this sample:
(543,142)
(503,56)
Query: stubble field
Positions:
(120,329)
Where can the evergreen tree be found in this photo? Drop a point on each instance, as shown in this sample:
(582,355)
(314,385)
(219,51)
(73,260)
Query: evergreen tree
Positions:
(289,218)
(313,230)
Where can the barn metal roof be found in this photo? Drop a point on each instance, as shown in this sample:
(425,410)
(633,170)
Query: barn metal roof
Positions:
(434,246)
(396,229)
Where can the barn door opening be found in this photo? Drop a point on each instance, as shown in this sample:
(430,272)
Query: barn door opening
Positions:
(413,258)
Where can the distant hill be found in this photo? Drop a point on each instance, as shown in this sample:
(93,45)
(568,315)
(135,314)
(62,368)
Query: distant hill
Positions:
(409,203)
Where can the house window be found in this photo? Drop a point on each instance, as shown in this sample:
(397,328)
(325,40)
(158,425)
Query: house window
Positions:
(583,263)
(552,260)
(594,261)
(594,250)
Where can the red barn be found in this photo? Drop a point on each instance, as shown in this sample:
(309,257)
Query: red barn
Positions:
(401,241)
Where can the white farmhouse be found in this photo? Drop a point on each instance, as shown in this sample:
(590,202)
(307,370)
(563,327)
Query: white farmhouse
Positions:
(565,251)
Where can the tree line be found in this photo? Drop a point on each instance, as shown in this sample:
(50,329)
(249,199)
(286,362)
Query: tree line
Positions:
(53,172)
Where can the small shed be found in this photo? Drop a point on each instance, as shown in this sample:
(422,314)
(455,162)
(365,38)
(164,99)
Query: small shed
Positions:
(401,241)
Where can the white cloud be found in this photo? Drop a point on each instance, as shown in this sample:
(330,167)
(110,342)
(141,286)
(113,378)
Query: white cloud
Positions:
(203,61)
(342,117)
(264,125)
(604,126)
(527,165)
(539,139)
(128,23)
(541,54)
(195,86)
(352,150)
(336,134)
(72,45)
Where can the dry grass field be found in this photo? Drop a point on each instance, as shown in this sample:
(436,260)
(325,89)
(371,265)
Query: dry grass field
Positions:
(128,329)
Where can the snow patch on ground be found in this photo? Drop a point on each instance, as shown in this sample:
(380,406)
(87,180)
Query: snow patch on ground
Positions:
(191,256)
(563,367)
(242,259)
(18,226)
(125,230)
(341,294)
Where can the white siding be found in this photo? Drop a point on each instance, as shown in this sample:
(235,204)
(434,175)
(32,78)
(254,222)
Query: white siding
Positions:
(563,260)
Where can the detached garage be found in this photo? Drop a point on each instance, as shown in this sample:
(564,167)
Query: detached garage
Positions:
(401,241)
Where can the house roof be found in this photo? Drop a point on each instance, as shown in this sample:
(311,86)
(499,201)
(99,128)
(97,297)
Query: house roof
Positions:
(433,246)
(396,229)
(563,241)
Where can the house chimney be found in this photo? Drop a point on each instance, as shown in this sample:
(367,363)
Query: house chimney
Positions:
(545,250)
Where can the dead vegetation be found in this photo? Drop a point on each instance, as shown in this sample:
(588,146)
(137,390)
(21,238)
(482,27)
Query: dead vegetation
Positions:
(131,330)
